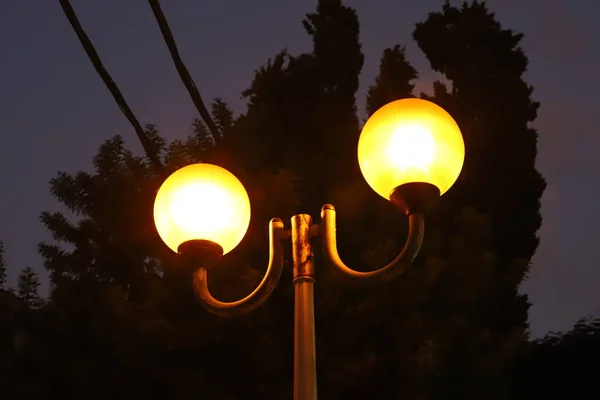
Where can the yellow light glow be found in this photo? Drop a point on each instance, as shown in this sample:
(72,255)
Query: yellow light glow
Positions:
(202,201)
(410,140)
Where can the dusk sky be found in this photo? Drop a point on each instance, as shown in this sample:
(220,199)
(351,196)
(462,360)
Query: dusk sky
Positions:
(55,111)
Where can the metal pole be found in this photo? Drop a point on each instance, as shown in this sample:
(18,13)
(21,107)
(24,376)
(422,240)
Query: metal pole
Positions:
(305,370)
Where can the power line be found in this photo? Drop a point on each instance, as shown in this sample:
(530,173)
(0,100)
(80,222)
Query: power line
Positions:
(182,70)
(110,84)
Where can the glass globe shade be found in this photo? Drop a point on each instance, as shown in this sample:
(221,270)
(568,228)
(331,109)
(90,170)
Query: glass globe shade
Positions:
(410,140)
(202,202)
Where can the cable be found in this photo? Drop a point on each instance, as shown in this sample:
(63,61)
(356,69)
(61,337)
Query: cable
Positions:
(111,85)
(182,70)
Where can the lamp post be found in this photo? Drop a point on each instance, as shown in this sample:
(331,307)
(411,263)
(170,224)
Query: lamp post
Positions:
(410,152)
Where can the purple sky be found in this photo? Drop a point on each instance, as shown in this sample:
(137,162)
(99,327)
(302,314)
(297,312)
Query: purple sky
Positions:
(55,111)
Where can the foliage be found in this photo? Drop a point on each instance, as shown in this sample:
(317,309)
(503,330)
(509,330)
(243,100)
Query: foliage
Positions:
(2,267)
(395,79)
(561,365)
(27,288)
(492,104)
(19,318)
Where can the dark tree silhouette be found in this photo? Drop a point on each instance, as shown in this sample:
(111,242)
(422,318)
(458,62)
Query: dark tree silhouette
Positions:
(27,288)
(2,268)
(492,104)
(395,79)
(561,365)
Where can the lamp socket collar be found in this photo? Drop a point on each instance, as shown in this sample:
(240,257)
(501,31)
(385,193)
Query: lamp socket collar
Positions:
(415,197)
(200,253)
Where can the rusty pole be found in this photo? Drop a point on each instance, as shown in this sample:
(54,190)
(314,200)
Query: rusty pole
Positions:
(305,369)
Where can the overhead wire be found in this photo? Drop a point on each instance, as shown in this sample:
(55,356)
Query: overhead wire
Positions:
(92,54)
(184,74)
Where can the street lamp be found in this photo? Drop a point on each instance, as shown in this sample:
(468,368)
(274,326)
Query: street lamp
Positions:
(410,152)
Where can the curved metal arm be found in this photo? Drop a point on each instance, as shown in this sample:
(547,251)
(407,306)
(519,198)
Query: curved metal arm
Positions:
(262,291)
(416,232)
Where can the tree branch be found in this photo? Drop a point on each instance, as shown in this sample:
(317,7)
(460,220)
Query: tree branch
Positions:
(111,85)
(182,70)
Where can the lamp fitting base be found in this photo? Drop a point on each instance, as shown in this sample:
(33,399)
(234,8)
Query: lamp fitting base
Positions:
(415,197)
(200,253)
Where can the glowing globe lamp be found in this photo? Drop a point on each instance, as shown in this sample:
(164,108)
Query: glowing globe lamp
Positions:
(410,142)
(202,204)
